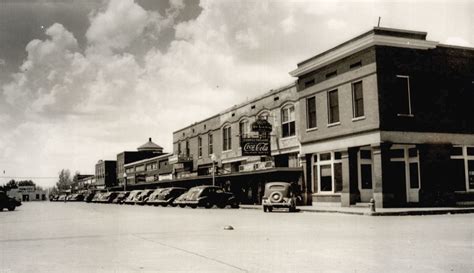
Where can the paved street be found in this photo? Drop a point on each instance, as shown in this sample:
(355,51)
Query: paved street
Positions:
(80,237)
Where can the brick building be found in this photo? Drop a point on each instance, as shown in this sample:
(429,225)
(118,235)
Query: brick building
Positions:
(105,174)
(388,115)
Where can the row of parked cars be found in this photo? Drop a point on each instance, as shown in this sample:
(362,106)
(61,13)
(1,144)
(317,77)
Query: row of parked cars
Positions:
(200,196)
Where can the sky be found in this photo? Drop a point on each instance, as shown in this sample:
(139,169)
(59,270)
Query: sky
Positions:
(82,81)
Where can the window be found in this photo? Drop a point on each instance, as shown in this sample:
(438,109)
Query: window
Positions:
(288,121)
(465,156)
(357,100)
(209,144)
(331,74)
(226,138)
(364,160)
(311,113)
(199,146)
(276,98)
(333,107)
(264,116)
(187,148)
(327,173)
(309,83)
(243,128)
(355,65)
(402,96)
(179,148)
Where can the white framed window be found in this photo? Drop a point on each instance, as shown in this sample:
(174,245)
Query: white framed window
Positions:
(403,101)
(311,121)
(327,172)
(243,128)
(466,154)
(199,146)
(288,125)
(333,107)
(357,100)
(226,138)
(210,144)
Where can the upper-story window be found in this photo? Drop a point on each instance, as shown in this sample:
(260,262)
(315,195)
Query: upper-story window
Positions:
(210,144)
(226,138)
(199,146)
(311,113)
(288,121)
(333,106)
(402,96)
(179,148)
(187,148)
(357,100)
(243,128)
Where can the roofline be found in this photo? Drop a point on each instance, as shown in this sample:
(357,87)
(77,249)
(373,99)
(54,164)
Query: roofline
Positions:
(148,159)
(230,109)
(456,46)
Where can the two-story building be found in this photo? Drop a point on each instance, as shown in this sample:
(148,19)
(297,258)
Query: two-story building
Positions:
(218,139)
(150,172)
(387,115)
(105,174)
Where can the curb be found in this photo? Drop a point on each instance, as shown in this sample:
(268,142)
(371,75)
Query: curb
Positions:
(387,213)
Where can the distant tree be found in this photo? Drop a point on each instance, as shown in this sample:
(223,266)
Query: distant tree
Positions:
(12,184)
(75,181)
(64,180)
(26,183)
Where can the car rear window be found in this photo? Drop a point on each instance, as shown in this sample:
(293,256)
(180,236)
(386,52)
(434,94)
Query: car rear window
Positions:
(277,187)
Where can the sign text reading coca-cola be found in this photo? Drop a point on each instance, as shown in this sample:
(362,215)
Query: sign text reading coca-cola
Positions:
(255,146)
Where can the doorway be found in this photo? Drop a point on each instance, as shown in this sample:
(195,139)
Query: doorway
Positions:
(405,161)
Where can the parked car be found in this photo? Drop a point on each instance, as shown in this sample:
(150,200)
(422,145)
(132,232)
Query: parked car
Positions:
(97,197)
(181,200)
(132,197)
(143,197)
(168,195)
(279,195)
(107,197)
(62,197)
(154,196)
(75,197)
(88,198)
(8,202)
(53,197)
(208,196)
(121,196)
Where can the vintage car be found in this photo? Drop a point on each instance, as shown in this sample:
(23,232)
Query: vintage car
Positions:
(143,197)
(8,202)
(121,197)
(88,197)
(151,201)
(168,195)
(181,200)
(132,197)
(208,196)
(108,197)
(62,197)
(279,195)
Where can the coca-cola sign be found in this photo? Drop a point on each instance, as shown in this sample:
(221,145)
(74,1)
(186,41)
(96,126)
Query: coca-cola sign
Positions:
(255,146)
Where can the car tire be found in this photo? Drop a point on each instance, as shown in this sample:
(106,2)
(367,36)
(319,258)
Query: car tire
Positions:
(234,205)
(270,209)
(292,209)
(11,208)
(182,206)
(173,205)
(208,205)
(193,206)
(164,204)
(264,209)
(221,206)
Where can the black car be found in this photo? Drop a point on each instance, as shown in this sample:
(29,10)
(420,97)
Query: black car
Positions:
(8,202)
(208,196)
(88,197)
(143,197)
(168,195)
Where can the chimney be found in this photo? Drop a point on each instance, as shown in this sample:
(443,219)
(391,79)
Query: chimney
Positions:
(149,139)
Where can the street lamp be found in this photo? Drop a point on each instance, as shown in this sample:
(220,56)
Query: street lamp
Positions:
(125,181)
(213,158)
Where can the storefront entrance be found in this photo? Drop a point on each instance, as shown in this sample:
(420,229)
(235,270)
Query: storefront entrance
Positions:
(405,172)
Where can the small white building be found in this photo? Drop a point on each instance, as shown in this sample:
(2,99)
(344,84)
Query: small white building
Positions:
(28,193)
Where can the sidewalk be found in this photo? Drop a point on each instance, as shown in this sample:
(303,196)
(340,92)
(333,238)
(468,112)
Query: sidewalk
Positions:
(379,212)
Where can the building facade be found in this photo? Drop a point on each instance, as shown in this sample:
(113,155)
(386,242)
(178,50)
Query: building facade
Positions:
(147,150)
(148,172)
(388,115)
(105,174)
(218,139)
(27,193)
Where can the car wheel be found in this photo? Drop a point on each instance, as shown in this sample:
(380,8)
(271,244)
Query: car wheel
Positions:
(1,208)
(234,205)
(270,209)
(292,209)
(182,205)
(164,204)
(264,209)
(11,208)
(173,205)
(193,206)
(221,205)
(208,205)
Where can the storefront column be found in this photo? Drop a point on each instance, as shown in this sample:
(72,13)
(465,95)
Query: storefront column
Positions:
(305,161)
(377,175)
(346,185)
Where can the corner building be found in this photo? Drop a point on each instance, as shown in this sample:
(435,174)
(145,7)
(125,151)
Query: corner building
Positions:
(387,115)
